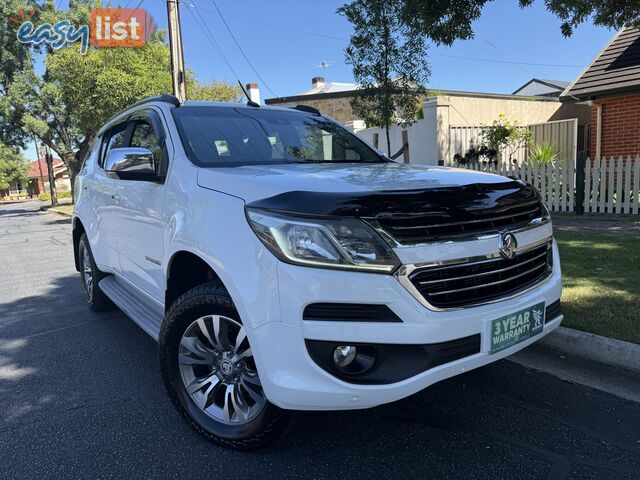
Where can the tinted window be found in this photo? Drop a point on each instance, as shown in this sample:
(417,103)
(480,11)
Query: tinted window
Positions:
(113,139)
(224,136)
(144,136)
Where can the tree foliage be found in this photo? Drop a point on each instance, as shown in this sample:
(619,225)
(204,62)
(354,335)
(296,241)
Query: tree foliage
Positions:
(505,136)
(13,167)
(445,21)
(214,91)
(389,63)
(66,106)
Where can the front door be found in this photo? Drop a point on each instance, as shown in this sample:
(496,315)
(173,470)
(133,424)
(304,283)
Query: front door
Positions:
(141,206)
(103,234)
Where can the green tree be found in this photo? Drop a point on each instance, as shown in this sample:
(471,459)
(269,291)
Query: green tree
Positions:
(66,106)
(389,63)
(15,57)
(215,90)
(13,167)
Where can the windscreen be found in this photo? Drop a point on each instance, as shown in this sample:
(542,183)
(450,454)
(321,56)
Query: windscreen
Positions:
(229,137)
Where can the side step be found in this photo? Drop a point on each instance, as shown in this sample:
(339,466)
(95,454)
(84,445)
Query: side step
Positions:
(147,313)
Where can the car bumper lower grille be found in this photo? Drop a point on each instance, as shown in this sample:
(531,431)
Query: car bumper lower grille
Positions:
(553,311)
(466,284)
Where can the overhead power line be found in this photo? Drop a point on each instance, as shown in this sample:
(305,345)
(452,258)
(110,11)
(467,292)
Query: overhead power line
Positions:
(205,29)
(345,39)
(241,50)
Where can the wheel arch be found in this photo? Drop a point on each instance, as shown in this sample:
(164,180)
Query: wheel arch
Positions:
(186,270)
(77,231)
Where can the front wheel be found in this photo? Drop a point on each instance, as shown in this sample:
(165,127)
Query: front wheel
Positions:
(210,373)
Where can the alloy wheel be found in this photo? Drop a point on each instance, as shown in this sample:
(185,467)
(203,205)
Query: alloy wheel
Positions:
(218,370)
(87,274)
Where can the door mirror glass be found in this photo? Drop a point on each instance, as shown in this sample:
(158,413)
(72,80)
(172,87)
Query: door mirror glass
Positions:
(131,163)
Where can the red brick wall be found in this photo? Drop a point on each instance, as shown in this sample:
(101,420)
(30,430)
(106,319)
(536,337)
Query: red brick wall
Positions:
(620,127)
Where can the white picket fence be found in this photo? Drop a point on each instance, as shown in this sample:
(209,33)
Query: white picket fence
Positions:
(610,185)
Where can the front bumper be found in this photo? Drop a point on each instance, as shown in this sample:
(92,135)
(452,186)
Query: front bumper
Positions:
(293,380)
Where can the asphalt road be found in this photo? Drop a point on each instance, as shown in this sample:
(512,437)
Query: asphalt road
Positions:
(81,397)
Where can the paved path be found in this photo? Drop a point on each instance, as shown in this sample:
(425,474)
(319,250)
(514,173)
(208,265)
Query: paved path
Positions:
(81,397)
(596,224)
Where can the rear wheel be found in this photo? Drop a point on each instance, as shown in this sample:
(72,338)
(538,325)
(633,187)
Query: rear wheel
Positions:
(210,373)
(91,276)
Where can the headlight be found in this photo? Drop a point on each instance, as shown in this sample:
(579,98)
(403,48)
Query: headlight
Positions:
(334,243)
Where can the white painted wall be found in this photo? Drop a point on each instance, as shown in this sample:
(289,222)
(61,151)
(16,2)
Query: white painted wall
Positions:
(423,146)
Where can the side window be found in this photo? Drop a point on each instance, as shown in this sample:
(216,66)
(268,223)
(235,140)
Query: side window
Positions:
(114,138)
(145,136)
(91,153)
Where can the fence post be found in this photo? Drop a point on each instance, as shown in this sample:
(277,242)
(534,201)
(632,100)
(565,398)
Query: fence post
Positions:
(581,161)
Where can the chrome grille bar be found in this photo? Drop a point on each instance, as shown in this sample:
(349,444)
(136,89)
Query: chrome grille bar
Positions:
(480,281)
(482,274)
(490,284)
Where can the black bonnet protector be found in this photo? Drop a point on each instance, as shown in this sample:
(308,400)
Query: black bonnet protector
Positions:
(453,203)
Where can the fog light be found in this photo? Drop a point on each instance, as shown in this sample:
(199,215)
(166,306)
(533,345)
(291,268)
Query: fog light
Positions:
(344,355)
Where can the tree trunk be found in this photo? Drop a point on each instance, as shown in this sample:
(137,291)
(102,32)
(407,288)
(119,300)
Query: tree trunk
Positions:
(52,178)
(386,127)
(73,167)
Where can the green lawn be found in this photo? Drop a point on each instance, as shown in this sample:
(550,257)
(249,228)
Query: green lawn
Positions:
(68,208)
(601,279)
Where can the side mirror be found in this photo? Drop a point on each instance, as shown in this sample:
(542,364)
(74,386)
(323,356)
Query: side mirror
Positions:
(131,163)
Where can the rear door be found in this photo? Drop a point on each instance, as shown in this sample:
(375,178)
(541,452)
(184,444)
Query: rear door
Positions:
(140,220)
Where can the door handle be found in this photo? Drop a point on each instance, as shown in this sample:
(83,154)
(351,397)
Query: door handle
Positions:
(115,196)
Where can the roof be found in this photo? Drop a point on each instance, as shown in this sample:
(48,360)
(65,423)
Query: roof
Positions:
(34,169)
(331,87)
(614,72)
(541,86)
(431,93)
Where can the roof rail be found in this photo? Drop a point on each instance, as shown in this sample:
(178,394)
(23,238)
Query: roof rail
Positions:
(166,98)
(307,108)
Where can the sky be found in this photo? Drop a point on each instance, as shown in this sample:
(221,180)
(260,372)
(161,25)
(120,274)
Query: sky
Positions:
(286,41)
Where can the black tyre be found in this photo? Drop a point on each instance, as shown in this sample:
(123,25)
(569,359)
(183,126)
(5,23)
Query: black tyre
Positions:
(210,374)
(91,276)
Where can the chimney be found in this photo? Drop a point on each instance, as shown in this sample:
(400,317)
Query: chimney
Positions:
(254,92)
(317,82)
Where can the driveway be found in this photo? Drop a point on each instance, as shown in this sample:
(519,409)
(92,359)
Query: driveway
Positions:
(81,397)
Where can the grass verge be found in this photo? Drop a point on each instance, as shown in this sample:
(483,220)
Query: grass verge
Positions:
(601,279)
(66,209)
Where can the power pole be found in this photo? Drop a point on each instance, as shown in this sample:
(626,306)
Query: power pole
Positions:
(178,75)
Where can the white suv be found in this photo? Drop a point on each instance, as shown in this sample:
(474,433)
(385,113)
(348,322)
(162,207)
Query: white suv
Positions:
(283,264)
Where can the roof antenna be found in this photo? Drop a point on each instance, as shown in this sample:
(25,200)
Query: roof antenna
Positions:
(250,102)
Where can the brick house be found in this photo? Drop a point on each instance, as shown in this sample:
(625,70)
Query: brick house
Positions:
(610,85)
(39,176)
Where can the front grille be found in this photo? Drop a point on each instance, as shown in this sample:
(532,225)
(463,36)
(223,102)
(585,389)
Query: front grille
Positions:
(465,284)
(432,226)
